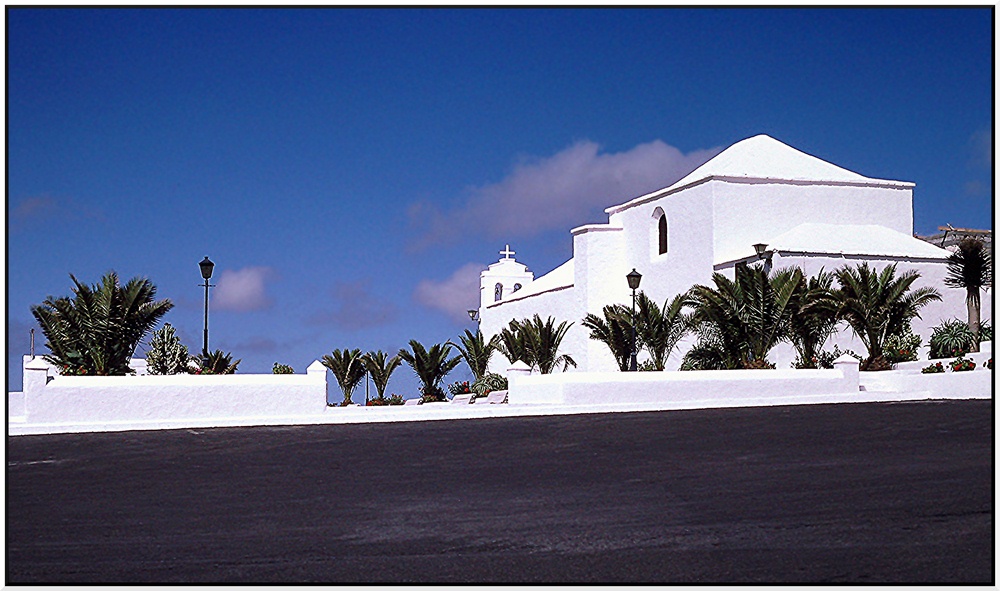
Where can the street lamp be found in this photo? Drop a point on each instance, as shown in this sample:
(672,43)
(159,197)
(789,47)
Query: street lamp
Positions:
(633,282)
(762,254)
(474,315)
(206,272)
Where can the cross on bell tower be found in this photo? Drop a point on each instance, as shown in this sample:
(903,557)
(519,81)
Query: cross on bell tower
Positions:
(507,252)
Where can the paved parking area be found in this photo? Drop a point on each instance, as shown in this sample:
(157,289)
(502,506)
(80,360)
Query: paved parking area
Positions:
(821,493)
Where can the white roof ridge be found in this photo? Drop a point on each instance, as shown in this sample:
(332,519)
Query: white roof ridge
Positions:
(762,157)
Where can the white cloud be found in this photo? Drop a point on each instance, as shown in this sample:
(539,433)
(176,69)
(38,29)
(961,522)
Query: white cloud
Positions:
(567,189)
(243,290)
(455,295)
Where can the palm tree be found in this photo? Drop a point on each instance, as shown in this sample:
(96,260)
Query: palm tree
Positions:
(512,344)
(380,369)
(970,268)
(542,339)
(660,329)
(614,330)
(348,366)
(748,316)
(217,362)
(430,365)
(877,305)
(813,320)
(476,351)
(96,332)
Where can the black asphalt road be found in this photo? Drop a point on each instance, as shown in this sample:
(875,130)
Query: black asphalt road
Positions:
(828,493)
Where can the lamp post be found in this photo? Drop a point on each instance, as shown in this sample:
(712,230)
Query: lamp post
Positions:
(206,272)
(762,254)
(633,282)
(474,315)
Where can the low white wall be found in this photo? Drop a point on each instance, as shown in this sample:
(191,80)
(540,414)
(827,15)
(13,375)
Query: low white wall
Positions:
(96,403)
(656,386)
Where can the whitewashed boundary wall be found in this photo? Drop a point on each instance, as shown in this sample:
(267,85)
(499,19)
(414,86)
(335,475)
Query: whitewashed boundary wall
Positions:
(102,403)
(677,386)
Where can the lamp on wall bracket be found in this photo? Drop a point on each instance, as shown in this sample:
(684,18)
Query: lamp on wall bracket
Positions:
(474,315)
(764,255)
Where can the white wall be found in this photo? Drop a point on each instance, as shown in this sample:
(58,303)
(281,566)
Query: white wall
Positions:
(96,403)
(746,213)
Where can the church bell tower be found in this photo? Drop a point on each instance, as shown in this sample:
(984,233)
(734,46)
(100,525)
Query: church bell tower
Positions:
(502,279)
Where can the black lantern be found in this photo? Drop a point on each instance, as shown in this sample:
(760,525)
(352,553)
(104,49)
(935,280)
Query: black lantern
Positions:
(206,273)
(206,268)
(474,315)
(633,282)
(760,248)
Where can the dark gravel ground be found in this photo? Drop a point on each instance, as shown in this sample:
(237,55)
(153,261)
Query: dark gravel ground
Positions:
(827,493)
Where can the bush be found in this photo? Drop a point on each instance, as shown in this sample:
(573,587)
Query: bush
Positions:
(989,363)
(432,394)
(459,388)
(822,360)
(902,347)
(490,382)
(951,338)
(377,402)
(395,400)
(985,332)
(280,368)
(933,368)
(758,364)
(215,363)
(962,364)
(167,356)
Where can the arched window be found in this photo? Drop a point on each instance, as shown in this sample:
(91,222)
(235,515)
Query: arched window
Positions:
(663,233)
(517,286)
(497,292)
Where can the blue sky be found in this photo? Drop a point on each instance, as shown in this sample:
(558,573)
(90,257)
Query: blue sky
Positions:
(350,171)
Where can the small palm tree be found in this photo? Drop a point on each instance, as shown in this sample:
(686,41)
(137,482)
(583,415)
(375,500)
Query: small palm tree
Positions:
(660,329)
(512,344)
(541,340)
(431,366)
(813,319)
(217,362)
(970,268)
(380,369)
(877,305)
(348,367)
(96,332)
(476,351)
(614,330)
(749,315)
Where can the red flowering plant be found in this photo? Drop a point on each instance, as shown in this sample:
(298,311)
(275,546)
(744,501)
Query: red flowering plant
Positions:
(459,388)
(989,363)
(962,364)
(933,368)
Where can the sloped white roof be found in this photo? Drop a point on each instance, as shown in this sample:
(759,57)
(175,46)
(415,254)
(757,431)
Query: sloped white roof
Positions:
(846,239)
(561,276)
(763,157)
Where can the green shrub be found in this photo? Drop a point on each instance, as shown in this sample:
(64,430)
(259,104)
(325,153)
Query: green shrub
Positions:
(216,363)
(902,347)
(951,338)
(281,368)
(822,360)
(933,368)
(985,332)
(459,388)
(490,382)
(962,364)
(167,356)
(396,400)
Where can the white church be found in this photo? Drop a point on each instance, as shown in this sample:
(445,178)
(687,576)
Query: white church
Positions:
(758,194)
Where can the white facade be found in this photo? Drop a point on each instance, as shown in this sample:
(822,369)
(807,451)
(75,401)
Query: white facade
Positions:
(808,212)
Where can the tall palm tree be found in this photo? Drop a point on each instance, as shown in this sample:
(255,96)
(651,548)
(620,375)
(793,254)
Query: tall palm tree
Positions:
(348,366)
(614,330)
(748,315)
(430,365)
(476,351)
(813,320)
(970,268)
(512,343)
(542,339)
(660,329)
(877,305)
(380,369)
(97,330)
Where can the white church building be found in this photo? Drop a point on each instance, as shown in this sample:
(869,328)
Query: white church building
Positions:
(807,212)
